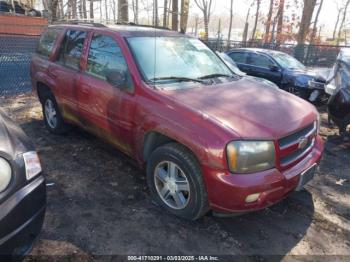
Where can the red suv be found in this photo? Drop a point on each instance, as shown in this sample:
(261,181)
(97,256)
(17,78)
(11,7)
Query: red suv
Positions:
(208,138)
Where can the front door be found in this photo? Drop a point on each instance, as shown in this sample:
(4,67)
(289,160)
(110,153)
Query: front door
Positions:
(106,109)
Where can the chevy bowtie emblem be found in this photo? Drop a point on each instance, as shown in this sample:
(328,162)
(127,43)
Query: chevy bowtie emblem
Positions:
(302,143)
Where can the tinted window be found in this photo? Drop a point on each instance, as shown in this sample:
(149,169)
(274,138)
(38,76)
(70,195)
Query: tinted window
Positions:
(260,60)
(47,42)
(105,56)
(72,48)
(239,57)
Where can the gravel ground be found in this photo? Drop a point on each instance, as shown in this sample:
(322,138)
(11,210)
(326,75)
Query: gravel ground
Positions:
(98,205)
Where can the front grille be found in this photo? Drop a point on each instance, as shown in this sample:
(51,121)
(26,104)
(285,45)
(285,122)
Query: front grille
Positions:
(290,148)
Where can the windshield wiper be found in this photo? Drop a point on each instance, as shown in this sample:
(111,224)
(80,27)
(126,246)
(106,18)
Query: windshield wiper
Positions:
(214,76)
(177,78)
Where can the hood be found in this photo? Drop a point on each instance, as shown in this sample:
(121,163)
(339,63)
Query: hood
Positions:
(301,77)
(13,140)
(248,108)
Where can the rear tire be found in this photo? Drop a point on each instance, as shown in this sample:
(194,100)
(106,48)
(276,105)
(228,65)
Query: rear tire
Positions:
(176,182)
(52,115)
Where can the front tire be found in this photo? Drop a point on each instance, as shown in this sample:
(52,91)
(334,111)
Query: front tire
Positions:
(176,182)
(52,116)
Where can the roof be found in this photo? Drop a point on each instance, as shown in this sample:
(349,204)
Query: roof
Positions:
(256,50)
(123,30)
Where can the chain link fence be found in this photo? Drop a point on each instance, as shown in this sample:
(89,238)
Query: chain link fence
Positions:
(15,56)
(310,55)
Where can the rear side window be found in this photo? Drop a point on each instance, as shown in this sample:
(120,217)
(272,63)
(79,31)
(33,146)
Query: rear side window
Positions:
(260,61)
(104,55)
(239,57)
(47,42)
(72,49)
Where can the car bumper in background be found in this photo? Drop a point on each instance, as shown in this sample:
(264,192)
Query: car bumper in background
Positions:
(229,193)
(21,218)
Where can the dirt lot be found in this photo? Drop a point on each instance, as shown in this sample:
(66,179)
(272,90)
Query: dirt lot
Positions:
(98,204)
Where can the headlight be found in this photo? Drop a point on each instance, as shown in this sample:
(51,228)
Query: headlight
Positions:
(250,156)
(32,164)
(5,174)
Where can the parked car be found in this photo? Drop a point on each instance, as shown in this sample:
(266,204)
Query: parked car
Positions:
(234,68)
(282,69)
(209,139)
(22,191)
(339,89)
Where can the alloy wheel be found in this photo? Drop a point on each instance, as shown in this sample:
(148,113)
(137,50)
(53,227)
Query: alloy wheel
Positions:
(172,185)
(50,114)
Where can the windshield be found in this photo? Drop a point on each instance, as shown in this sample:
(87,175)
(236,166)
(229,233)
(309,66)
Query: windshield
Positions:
(176,58)
(287,61)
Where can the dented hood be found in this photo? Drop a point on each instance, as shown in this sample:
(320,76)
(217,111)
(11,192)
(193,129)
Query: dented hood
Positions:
(13,140)
(248,108)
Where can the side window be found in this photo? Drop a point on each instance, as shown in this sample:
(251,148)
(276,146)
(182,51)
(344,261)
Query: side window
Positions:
(106,56)
(260,60)
(47,42)
(72,48)
(239,57)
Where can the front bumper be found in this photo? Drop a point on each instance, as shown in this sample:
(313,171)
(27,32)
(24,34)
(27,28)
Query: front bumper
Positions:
(21,218)
(227,192)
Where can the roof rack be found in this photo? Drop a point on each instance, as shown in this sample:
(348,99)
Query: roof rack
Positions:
(80,22)
(103,23)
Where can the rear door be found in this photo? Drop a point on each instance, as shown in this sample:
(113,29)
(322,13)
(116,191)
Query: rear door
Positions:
(106,109)
(263,66)
(65,71)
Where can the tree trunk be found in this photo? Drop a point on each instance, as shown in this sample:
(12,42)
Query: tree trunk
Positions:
(74,9)
(83,3)
(268,23)
(91,9)
(114,11)
(155,13)
(106,10)
(343,21)
(230,26)
(54,5)
(280,22)
(337,22)
(246,27)
(314,30)
(175,12)
(256,18)
(308,10)
(135,9)
(185,6)
(123,11)
(165,22)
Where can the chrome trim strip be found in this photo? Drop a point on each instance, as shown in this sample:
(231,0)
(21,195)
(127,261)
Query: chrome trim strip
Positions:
(306,151)
(313,131)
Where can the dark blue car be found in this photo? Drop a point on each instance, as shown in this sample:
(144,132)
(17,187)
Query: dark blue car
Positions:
(282,69)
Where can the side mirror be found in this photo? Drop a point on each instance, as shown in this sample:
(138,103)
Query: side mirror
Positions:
(117,78)
(274,68)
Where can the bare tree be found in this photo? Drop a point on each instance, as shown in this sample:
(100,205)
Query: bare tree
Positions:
(185,9)
(268,22)
(135,9)
(343,21)
(155,21)
(206,7)
(84,9)
(246,25)
(340,10)
(91,9)
(165,15)
(123,11)
(314,29)
(308,10)
(175,13)
(280,22)
(258,2)
(230,26)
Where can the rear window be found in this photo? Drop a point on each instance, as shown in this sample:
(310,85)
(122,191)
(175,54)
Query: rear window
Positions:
(47,42)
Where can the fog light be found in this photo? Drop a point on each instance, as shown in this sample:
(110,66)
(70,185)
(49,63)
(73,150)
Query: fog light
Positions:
(252,198)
